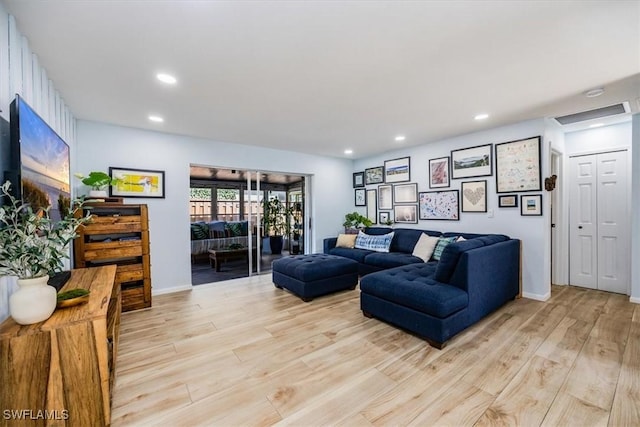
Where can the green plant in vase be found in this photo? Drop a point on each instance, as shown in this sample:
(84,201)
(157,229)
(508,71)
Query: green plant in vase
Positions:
(354,221)
(98,181)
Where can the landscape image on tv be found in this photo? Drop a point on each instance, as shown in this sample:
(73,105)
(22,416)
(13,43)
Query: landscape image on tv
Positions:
(44,159)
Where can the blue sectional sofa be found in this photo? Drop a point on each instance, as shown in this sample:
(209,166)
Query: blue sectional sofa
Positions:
(435,299)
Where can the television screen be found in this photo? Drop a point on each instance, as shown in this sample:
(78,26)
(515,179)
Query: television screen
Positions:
(40,161)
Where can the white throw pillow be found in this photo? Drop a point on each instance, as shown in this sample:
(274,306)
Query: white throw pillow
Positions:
(425,246)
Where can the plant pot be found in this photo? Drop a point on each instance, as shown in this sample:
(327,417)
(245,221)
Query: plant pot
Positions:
(33,302)
(276,244)
(98,193)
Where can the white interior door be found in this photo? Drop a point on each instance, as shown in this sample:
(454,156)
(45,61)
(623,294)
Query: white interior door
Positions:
(599,222)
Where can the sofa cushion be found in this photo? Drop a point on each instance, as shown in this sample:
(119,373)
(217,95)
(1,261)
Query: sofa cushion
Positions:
(425,246)
(217,225)
(199,231)
(237,228)
(379,243)
(346,240)
(413,286)
(405,240)
(450,256)
(354,254)
(442,243)
(391,259)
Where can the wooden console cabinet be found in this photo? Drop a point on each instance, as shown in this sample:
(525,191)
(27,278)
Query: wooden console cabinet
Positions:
(118,234)
(61,371)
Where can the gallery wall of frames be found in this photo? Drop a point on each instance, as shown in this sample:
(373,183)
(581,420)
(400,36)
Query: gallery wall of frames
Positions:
(456,184)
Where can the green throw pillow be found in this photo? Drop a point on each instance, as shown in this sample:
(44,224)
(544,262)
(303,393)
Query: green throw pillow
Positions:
(199,231)
(442,243)
(235,228)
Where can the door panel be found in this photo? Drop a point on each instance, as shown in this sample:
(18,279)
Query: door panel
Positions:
(582,212)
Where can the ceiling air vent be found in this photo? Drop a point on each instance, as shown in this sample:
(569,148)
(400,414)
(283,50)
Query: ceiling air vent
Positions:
(598,113)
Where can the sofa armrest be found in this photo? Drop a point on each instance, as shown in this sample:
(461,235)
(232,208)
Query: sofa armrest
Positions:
(490,275)
(329,243)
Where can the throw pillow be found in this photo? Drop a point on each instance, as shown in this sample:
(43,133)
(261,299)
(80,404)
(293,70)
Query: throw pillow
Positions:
(461,239)
(235,228)
(442,243)
(346,241)
(425,246)
(379,243)
(199,231)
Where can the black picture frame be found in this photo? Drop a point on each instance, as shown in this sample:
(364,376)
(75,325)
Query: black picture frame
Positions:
(474,196)
(358,179)
(372,205)
(405,214)
(472,162)
(519,165)
(531,204)
(405,193)
(397,170)
(440,172)
(374,175)
(508,201)
(385,197)
(360,197)
(137,183)
(439,205)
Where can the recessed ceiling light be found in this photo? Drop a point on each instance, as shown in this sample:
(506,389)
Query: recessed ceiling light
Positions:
(156,119)
(596,125)
(594,92)
(166,78)
(348,151)
(481,116)
(400,138)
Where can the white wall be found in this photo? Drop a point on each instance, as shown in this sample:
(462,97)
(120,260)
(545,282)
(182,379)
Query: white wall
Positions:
(532,230)
(20,73)
(101,145)
(635,211)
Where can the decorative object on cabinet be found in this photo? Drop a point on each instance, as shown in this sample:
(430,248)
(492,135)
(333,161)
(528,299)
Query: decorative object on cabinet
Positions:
(471,162)
(440,205)
(372,206)
(397,170)
(70,359)
(550,182)
(385,197)
(405,193)
(439,172)
(98,181)
(354,221)
(358,179)
(405,214)
(531,204)
(137,183)
(508,201)
(474,196)
(374,175)
(118,234)
(518,166)
(360,197)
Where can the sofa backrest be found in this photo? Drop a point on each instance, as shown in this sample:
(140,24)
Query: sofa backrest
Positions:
(404,239)
(452,252)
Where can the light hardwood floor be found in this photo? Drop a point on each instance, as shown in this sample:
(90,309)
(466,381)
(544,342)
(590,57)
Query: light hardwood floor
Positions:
(245,353)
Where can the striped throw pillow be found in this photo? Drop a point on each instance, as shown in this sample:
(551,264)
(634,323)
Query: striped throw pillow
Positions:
(379,243)
(442,243)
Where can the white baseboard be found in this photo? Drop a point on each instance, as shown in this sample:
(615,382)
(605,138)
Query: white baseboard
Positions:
(537,297)
(634,300)
(171,290)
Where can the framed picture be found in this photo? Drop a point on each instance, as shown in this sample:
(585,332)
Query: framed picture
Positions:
(471,162)
(508,201)
(518,166)
(438,205)
(360,197)
(372,206)
(397,170)
(531,204)
(358,179)
(385,197)
(405,193)
(439,172)
(374,175)
(474,196)
(384,217)
(405,214)
(137,183)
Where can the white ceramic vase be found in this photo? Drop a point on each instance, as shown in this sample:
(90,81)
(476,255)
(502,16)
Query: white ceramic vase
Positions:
(98,193)
(33,302)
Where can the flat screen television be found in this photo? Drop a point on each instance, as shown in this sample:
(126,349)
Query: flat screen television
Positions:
(39,161)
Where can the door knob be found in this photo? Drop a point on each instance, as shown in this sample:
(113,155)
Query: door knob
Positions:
(580,227)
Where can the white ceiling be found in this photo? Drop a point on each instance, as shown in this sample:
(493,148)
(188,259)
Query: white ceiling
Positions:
(322,76)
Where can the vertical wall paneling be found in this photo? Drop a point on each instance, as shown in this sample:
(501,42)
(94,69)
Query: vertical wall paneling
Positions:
(15,59)
(57,113)
(5,98)
(44,95)
(27,72)
(52,105)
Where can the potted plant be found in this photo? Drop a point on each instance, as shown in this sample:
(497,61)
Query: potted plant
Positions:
(354,221)
(276,225)
(98,181)
(31,247)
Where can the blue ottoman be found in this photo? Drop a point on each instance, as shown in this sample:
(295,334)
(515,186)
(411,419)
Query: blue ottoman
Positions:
(309,276)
